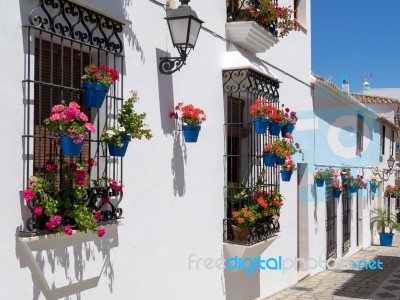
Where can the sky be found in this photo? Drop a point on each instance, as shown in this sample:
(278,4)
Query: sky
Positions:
(355,37)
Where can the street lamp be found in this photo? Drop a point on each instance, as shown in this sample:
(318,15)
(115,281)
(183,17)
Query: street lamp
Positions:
(390,162)
(184,27)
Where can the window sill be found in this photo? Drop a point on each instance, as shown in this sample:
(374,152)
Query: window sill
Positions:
(250,36)
(232,250)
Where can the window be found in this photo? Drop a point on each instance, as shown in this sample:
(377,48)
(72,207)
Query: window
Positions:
(244,168)
(360,133)
(383,138)
(300,11)
(54,66)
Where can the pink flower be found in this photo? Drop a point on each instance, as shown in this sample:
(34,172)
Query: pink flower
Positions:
(113,184)
(74,105)
(73,167)
(91,162)
(37,211)
(71,113)
(55,117)
(68,230)
(90,127)
(57,108)
(31,182)
(118,189)
(83,117)
(53,222)
(101,232)
(81,177)
(28,195)
(105,199)
(97,215)
(51,166)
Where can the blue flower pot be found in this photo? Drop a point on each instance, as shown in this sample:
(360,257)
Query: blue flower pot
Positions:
(68,147)
(373,187)
(319,182)
(386,239)
(191,133)
(288,128)
(260,125)
(94,93)
(274,128)
(269,159)
(336,193)
(115,150)
(280,160)
(353,189)
(286,175)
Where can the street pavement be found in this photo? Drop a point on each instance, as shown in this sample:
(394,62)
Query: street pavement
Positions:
(353,283)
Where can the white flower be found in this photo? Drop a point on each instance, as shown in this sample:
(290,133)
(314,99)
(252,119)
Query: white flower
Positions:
(110,132)
(121,129)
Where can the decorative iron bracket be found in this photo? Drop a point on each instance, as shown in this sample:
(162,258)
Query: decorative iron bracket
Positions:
(169,65)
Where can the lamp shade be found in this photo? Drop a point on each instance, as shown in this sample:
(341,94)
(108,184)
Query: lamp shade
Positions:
(390,162)
(184,27)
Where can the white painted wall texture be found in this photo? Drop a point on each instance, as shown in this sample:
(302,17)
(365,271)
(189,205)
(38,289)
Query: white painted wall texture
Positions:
(173,198)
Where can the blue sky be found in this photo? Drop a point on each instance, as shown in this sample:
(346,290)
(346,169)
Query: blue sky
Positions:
(350,37)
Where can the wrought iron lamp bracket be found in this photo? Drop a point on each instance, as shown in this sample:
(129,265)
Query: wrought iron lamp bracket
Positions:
(169,65)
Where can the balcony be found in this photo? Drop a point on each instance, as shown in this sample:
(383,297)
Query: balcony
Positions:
(245,31)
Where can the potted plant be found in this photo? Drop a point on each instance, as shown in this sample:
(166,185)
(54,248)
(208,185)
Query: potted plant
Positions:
(345,173)
(373,183)
(287,169)
(277,118)
(261,110)
(270,14)
(328,174)
(392,191)
(384,219)
(337,189)
(130,126)
(244,219)
(71,124)
(289,122)
(95,84)
(71,208)
(318,177)
(356,183)
(191,117)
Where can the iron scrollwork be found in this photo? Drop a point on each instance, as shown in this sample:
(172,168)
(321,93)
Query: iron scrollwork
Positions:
(169,65)
(79,23)
(246,80)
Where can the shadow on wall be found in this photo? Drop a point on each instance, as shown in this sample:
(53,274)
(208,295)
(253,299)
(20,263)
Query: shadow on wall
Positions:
(168,126)
(128,31)
(63,265)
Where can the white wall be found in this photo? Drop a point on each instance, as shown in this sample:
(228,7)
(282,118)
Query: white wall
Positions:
(173,198)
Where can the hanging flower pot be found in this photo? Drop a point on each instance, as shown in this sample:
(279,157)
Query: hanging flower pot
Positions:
(260,125)
(373,187)
(280,160)
(116,150)
(286,175)
(336,193)
(94,93)
(275,128)
(319,182)
(353,189)
(191,133)
(68,147)
(287,128)
(269,159)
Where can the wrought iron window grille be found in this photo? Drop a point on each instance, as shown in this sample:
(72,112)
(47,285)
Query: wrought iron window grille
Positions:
(237,10)
(61,40)
(243,151)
